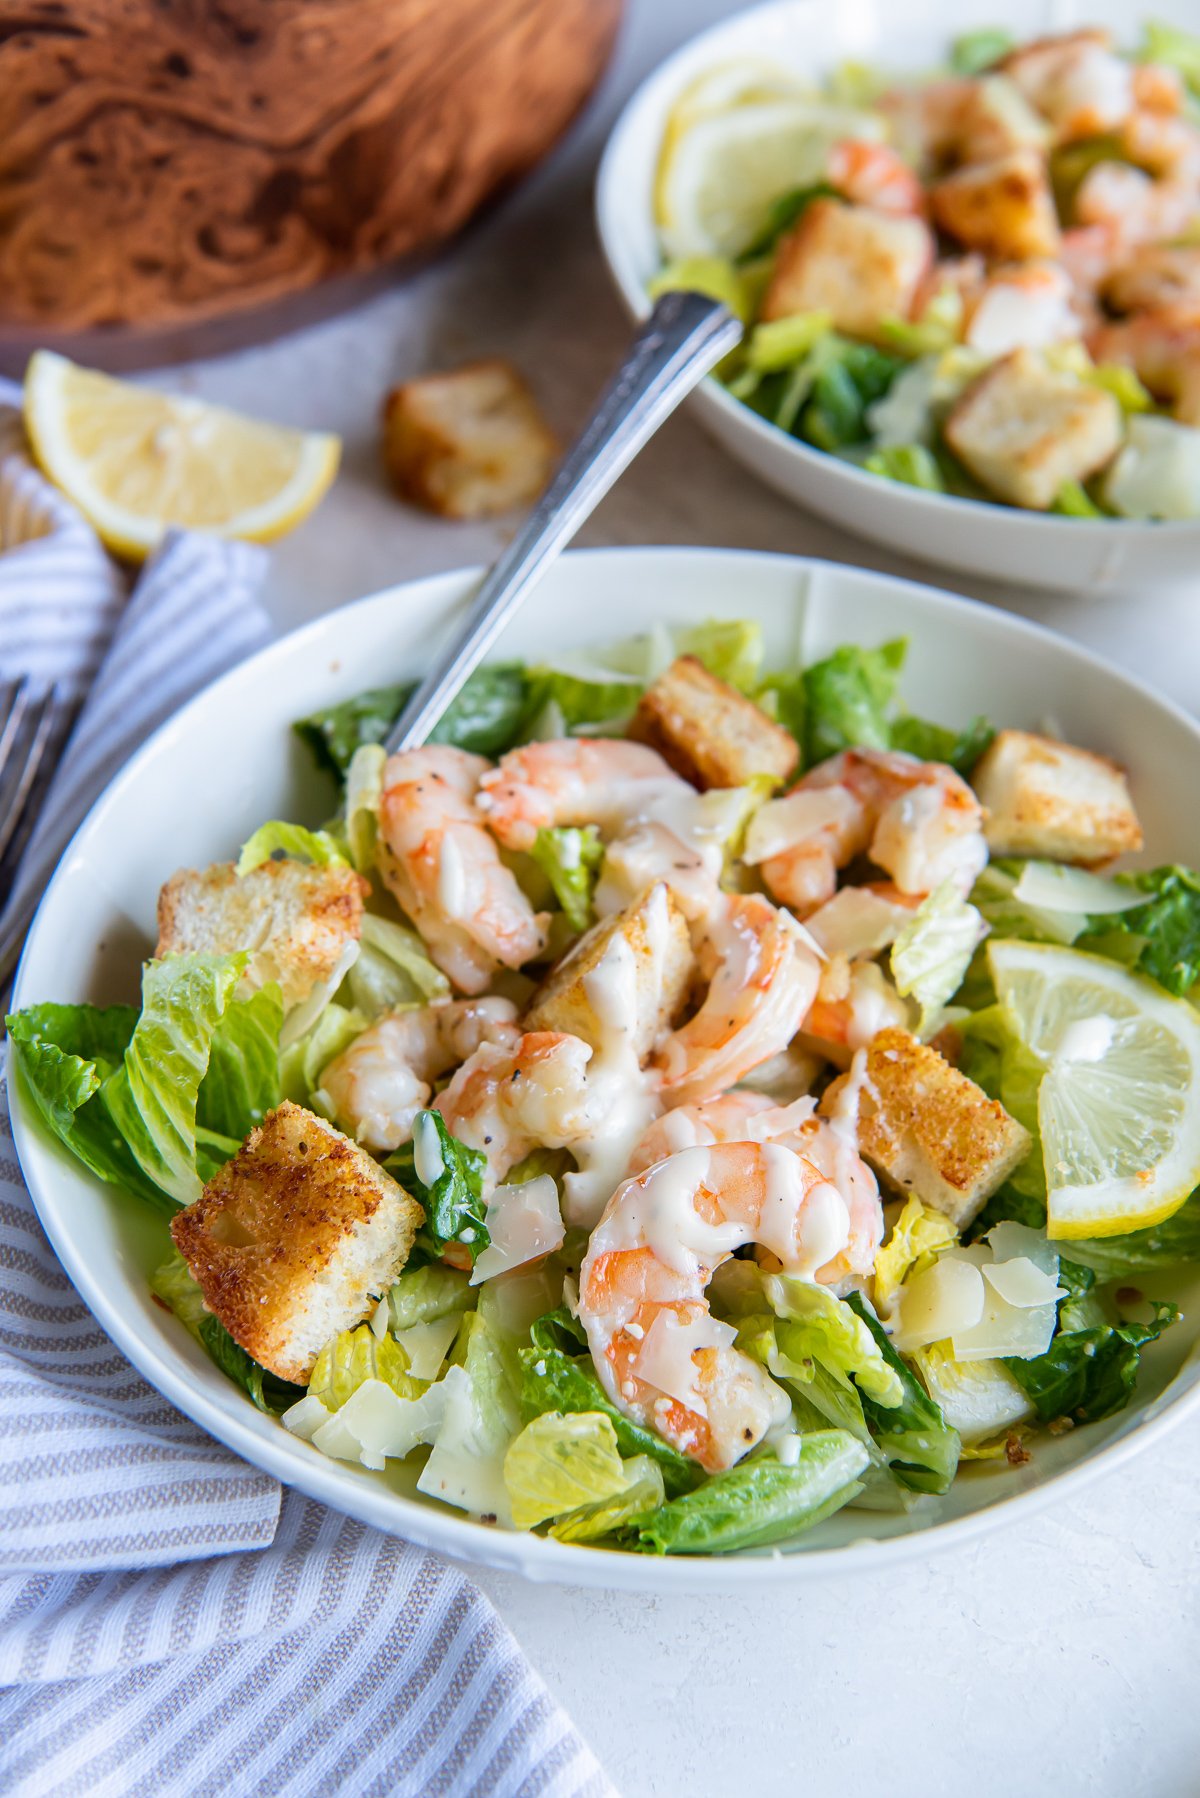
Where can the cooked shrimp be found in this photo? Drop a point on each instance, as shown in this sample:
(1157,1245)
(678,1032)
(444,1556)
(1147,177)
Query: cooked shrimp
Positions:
(385,1077)
(445,871)
(730,1117)
(855,1001)
(1157,88)
(872,174)
(926,122)
(762,977)
(1022,308)
(1158,276)
(506,1101)
(1163,349)
(661,1356)
(918,820)
(1074,80)
(1138,208)
(1165,146)
(573,780)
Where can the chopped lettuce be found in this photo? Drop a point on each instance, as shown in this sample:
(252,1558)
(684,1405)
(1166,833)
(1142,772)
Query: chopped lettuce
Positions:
(392,969)
(975,51)
(918,1236)
(762,1500)
(364,789)
(556,1376)
(960,750)
(486,717)
(938,328)
(353,1356)
(174,1286)
(1089,1372)
(642,1492)
(1165,929)
(932,953)
(979,1399)
(715,276)
(849,378)
(560,1462)
(466,1467)
(909,463)
(782,214)
(302,1062)
(921,1447)
(847,698)
(242,1082)
(421,1295)
(570,859)
(1074,501)
(814,1324)
(293,841)
(446,1178)
(784,341)
(995,896)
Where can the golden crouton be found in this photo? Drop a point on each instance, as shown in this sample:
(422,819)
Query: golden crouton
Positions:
(926,1128)
(859,266)
(710,733)
(1049,799)
(1157,276)
(640,959)
(1004,208)
(468,443)
(297,921)
(1024,430)
(295,1239)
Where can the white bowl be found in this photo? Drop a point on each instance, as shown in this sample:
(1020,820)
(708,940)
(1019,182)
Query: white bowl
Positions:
(998,542)
(228,761)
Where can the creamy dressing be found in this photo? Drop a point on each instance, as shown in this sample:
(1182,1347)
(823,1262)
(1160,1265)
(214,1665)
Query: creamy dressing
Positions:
(620,1104)
(781,824)
(451,878)
(428,1160)
(875,1005)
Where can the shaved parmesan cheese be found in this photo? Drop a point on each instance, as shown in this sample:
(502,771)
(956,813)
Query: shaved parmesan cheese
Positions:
(1020,1328)
(426,1345)
(1157,473)
(1022,1284)
(1054,886)
(380,1318)
(782,823)
(858,922)
(375,1423)
(665,1357)
(305,1418)
(944,1300)
(524,1223)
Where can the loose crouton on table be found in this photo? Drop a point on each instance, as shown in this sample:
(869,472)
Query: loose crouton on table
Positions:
(468,443)
(297,921)
(925,1128)
(1050,799)
(295,1239)
(858,265)
(1024,430)
(653,934)
(1003,208)
(710,733)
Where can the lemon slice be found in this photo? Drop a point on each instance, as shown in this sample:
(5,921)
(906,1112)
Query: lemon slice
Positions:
(719,171)
(1119,1103)
(136,462)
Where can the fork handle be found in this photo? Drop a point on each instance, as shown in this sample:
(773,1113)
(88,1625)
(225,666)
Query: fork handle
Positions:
(685,336)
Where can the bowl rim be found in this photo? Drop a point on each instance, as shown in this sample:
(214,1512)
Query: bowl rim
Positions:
(440,1528)
(612,201)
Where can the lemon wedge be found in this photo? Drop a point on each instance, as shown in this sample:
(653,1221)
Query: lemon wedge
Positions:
(1119,1103)
(719,170)
(136,462)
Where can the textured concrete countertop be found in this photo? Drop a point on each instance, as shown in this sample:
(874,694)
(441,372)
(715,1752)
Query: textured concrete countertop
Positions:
(1057,1656)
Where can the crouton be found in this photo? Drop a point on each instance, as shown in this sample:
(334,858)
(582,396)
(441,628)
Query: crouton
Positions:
(1004,208)
(468,443)
(652,934)
(925,1128)
(859,266)
(1024,430)
(710,733)
(295,1239)
(1053,800)
(298,921)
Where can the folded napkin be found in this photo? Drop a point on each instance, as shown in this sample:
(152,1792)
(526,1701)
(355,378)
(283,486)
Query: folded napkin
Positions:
(171,1620)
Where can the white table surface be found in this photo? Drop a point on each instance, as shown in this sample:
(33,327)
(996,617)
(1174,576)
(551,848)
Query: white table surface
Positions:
(1058,1656)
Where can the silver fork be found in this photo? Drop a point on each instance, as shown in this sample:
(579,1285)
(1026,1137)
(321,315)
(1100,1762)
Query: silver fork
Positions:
(35,717)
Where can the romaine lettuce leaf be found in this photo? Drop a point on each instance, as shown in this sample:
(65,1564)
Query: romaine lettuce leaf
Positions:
(486,718)
(994,896)
(715,276)
(960,750)
(570,859)
(911,464)
(559,1462)
(242,1082)
(392,969)
(816,1324)
(1088,1373)
(641,1493)
(932,953)
(1165,930)
(918,1237)
(302,1063)
(782,342)
(364,789)
(760,1501)
(446,1179)
(782,214)
(422,1294)
(353,1356)
(319,847)
(174,1287)
(848,697)
(975,51)
(922,1449)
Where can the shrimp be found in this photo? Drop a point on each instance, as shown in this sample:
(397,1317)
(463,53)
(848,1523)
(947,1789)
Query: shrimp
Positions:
(1075,80)
(1157,88)
(1159,276)
(660,1355)
(1022,308)
(918,820)
(855,1001)
(656,826)
(730,1117)
(871,174)
(762,978)
(385,1077)
(445,871)
(1165,146)
(506,1101)
(1163,348)
(1136,207)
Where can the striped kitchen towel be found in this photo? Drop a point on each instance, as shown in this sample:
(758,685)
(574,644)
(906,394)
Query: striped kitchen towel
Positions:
(171,1620)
